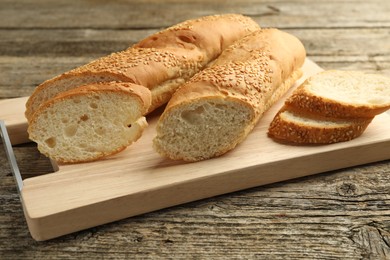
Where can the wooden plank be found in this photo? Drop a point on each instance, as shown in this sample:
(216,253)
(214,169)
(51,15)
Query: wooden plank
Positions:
(330,48)
(337,215)
(20,75)
(376,64)
(67,42)
(131,14)
(12,113)
(94,43)
(85,195)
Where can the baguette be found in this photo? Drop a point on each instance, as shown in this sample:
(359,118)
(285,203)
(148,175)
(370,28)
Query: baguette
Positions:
(331,106)
(90,122)
(219,106)
(153,69)
(161,62)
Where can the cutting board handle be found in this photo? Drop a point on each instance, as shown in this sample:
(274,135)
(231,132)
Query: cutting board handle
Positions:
(12,112)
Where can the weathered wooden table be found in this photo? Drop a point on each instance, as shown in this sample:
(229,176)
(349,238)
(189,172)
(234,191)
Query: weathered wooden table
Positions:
(341,214)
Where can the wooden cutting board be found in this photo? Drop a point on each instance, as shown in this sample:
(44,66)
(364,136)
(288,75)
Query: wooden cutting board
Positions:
(138,180)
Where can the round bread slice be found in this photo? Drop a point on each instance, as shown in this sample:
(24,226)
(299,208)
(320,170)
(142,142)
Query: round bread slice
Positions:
(90,122)
(345,94)
(290,127)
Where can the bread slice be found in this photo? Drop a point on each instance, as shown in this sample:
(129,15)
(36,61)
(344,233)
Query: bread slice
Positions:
(296,128)
(90,122)
(219,106)
(331,106)
(161,62)
(343,94)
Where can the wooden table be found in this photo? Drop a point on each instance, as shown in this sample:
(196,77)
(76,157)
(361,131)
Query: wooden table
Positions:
(341,214)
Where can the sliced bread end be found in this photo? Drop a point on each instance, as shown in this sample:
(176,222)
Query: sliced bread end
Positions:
(90,122)
(293,128)
(336,93)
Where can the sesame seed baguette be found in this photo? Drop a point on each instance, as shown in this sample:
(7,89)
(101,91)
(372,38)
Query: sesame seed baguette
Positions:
(344,94)
(90,122)
(219,106)
(296,128)
(161,62)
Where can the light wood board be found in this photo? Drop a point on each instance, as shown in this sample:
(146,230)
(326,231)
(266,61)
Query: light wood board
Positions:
(138,180)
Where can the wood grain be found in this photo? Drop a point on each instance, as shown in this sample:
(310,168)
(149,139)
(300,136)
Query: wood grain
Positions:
(341,214)
(49,54)
(132,14)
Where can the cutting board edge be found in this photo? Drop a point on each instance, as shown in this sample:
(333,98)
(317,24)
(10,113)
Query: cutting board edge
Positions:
(113,209)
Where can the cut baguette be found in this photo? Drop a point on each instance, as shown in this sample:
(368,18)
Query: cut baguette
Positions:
(293,127)
(90,122)
(344,94)
(218,107)
(161,62)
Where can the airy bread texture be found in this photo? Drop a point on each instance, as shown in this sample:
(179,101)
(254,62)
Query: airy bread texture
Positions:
(219,106)
(91,121)
(331,106)
(161,62)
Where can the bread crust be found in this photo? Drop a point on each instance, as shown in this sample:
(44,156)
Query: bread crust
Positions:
(250,70)
(175,53)
(255,71)
(305,100)
(294,132)
(201,39)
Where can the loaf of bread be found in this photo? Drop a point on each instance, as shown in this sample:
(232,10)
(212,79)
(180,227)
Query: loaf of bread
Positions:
(161,62)
(331,106)
(218,107)
(152,68)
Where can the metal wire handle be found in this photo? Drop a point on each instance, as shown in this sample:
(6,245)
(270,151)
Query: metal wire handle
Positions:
(11,156)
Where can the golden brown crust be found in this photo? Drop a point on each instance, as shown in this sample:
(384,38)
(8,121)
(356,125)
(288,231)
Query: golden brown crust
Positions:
(203,38)
(177,52)
(283,129)
(331,106)
(143,67)
(255,71)
(305,99)
(250,70)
